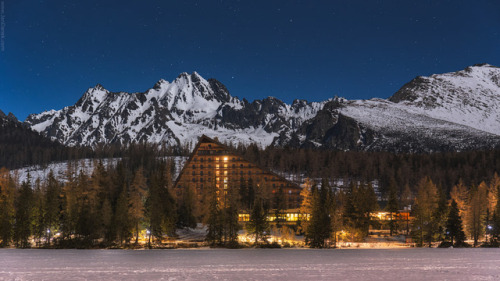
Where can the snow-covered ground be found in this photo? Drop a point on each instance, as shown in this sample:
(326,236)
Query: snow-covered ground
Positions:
(251,264)
(86,165)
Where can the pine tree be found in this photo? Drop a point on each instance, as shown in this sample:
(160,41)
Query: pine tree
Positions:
(7,210)
(52,205)
(454,229)
(70,204)
(439,217)
(124,219)
(185,212)
(137,198)
(160,205)
(460,193)
(425,207)
(361,201)
(24,216)
(107,226)
(258,224)
(476,212)
(213,219)
(38,212)
(306,205)
(319,229)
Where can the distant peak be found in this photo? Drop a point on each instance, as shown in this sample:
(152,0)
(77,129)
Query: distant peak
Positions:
(158,84)
(193,75)
(98,87)
(12,117)
(483,65)
(183,75)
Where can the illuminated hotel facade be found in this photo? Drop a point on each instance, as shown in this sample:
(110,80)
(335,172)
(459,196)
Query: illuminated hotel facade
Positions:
(212,163)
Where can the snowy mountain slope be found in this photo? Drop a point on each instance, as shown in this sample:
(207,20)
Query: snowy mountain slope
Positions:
(451,111)
(172,113)
(446,112)
(470,97)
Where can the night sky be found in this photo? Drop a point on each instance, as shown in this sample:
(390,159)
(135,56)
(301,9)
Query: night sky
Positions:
(54,50)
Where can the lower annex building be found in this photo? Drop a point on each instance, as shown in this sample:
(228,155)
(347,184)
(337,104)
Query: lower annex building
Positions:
(212,166)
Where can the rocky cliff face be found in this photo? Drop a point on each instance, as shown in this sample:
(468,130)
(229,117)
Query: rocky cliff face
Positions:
(452,111)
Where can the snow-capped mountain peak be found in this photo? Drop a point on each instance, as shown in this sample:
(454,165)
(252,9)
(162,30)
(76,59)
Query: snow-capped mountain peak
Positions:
(172,112)
(451,111)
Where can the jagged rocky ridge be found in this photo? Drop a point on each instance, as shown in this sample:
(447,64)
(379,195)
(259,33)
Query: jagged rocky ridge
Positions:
(452,111)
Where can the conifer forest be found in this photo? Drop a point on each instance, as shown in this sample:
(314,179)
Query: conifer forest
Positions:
(453,198)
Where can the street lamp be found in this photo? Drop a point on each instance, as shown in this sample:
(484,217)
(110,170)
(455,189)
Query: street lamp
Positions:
(148,233)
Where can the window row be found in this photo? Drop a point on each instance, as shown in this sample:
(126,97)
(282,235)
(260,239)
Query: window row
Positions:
(201,166)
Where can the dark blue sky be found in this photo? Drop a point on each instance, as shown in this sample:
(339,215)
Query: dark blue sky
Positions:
(55,50)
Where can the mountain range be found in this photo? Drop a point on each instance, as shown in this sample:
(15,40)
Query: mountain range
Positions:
(443,112)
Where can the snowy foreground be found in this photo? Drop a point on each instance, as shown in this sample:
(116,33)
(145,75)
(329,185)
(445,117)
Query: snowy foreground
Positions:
(251,264)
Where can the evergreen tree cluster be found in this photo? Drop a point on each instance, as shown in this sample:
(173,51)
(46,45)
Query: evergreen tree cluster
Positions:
(469,212)
(112,206)
(400,169)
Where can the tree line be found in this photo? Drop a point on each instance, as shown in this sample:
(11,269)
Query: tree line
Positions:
(111,206)
(444,168)
(115,205)
(468,212)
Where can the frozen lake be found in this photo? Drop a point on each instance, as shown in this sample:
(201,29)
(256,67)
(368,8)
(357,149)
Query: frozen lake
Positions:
(251,264)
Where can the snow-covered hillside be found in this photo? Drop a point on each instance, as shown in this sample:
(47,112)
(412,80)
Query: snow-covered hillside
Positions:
(86,166)
(172,113)
(451,111)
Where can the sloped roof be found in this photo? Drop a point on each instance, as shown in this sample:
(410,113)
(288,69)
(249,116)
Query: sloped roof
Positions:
(205,139)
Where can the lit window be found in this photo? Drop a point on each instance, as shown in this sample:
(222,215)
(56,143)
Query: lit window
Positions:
(225,158)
